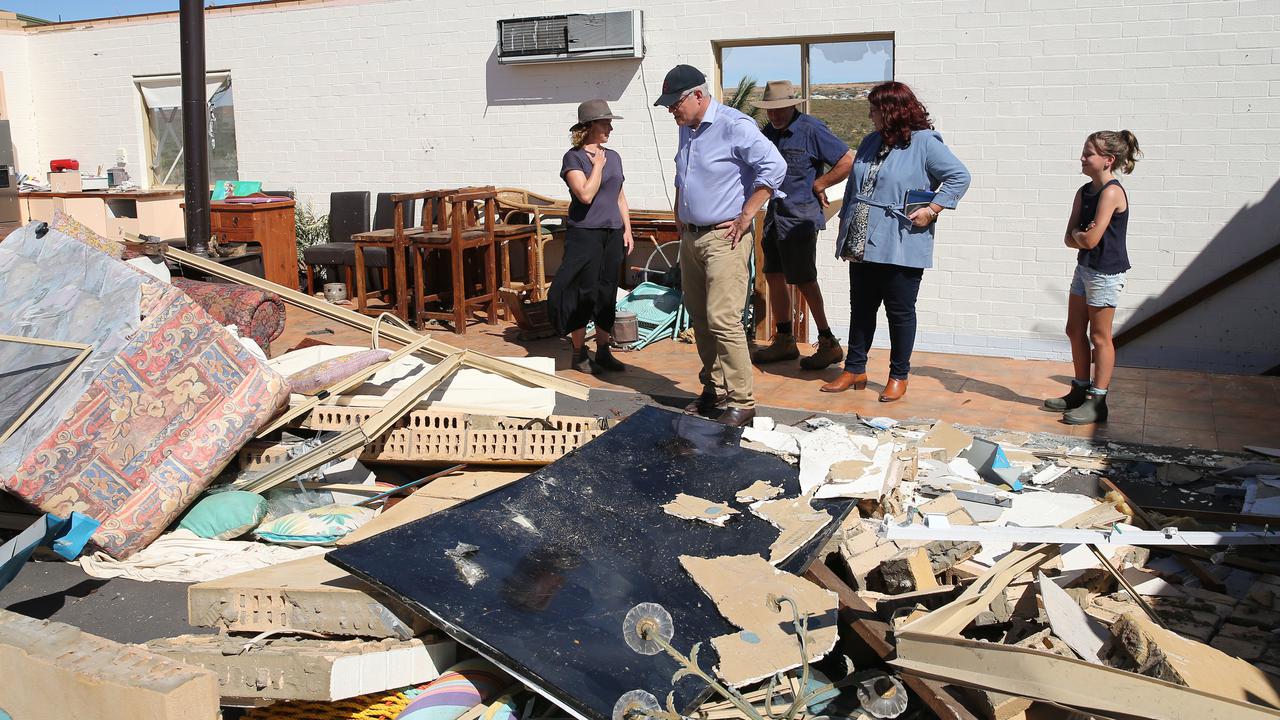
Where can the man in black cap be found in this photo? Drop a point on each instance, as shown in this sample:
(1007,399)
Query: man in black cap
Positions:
(726,170)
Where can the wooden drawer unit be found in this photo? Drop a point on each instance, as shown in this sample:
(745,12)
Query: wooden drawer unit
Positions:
(267,225)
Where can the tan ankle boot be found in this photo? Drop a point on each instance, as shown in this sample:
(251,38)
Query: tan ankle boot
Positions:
(782,348)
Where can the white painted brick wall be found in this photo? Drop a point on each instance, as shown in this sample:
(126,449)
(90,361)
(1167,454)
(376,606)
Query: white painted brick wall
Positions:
(397,94)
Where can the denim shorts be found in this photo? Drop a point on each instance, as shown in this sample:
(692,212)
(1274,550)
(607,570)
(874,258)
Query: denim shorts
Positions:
(1098,290)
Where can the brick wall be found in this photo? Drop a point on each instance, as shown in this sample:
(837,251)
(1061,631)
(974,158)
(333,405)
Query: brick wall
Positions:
(392,95)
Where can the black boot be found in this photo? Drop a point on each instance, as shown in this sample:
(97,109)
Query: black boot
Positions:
(606,361)
(1092,410)
(582,361)
(1070,401)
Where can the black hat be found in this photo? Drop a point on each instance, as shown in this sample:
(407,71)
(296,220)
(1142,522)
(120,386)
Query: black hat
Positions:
(680,79)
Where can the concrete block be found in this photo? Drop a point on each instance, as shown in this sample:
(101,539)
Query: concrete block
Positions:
(309,594)
(52,669)
(291,668)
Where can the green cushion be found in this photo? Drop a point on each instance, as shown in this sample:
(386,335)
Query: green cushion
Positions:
(318,526)
(225,515)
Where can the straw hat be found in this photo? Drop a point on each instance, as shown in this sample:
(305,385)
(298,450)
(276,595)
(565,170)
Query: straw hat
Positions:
(779,94)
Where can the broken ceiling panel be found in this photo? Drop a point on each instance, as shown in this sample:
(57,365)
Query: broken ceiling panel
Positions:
(569,550)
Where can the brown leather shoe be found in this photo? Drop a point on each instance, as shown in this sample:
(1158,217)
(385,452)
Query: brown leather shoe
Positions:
(846,380)
(894,390)
(707,403)
(737,417)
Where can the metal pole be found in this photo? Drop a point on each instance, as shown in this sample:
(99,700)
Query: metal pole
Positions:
(195,126)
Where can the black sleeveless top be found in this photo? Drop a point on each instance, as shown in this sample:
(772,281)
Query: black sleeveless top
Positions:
(1110,256)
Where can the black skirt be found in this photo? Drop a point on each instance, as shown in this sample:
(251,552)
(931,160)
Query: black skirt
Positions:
(585,287)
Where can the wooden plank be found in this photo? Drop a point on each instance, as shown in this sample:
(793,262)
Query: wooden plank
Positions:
(875,633)
(1198,296)
(432,348)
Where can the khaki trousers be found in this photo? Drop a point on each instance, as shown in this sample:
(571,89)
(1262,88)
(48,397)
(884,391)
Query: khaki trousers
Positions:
(713,278)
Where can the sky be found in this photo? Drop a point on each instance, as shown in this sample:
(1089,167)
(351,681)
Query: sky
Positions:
(845,62)
(86,9)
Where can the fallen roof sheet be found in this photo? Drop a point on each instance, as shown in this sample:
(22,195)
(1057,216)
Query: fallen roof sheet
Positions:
(569,550)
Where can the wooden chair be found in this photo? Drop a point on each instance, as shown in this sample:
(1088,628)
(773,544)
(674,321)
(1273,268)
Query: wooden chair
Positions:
(390,246)
(462,229)
(518,206)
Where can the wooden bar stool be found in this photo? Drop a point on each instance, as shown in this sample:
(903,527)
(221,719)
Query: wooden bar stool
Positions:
(464,229)
(393,240)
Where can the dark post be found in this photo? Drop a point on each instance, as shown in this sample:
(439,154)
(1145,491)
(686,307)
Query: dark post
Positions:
(195,126)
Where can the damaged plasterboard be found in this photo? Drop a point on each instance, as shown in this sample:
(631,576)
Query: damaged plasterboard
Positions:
(306,595)
(758,490)
(439,494)
(797,522)
(741,586)
(874,480)
(946,439)
(691,507)
(57,670)
(777,442)
(825,446)
(290,668)
(1084,635)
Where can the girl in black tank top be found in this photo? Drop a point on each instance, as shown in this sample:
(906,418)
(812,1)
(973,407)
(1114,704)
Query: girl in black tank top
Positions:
(1098,231)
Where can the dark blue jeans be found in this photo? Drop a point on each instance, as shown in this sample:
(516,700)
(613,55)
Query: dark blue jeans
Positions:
(896,286)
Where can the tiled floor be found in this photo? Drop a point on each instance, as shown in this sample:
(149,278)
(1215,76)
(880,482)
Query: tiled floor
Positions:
(1158,407)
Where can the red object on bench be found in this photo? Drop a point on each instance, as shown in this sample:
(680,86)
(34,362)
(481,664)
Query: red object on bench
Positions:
(63,164)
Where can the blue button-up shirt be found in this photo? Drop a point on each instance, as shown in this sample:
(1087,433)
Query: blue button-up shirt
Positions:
(808,146)
(720,162)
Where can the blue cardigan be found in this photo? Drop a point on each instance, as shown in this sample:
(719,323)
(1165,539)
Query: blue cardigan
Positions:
(925,164)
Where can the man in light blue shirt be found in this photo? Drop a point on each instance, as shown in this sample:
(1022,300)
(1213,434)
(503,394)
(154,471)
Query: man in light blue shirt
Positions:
(726,170)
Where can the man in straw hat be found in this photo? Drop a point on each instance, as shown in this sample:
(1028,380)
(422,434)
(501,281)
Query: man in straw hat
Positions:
(791,227)
(725,172)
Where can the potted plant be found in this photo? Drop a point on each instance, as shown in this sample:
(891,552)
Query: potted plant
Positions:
(310,229)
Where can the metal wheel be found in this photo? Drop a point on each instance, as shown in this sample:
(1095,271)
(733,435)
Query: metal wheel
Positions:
(664,259)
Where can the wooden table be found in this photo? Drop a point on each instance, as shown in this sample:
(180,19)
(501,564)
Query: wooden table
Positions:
(270,226)
(155,212)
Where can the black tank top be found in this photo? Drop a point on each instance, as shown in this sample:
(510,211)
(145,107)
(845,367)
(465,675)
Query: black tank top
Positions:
(1109,256)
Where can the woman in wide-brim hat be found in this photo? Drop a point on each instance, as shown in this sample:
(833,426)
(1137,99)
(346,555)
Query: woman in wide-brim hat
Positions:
(597,241)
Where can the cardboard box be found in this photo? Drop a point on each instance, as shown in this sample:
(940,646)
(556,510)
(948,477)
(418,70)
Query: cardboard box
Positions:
(64,182)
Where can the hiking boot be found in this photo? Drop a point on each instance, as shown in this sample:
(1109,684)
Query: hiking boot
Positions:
(1070,401)
(828,353)
(1092,410)
(606,361)
(582,361)
(782,348)
(707,403)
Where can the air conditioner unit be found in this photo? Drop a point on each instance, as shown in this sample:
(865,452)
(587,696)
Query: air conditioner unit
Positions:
(564,38)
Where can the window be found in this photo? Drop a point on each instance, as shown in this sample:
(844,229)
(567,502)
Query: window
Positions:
(835,73)
(162,109)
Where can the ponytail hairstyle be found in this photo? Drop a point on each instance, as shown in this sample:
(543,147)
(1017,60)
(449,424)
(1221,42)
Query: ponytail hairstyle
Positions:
(1121,145)
(900,111)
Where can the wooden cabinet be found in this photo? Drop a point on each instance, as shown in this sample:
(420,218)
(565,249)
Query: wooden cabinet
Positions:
(270,226)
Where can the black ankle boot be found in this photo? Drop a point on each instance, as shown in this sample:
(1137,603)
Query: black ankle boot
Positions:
(1070,401)
(606,361)
(582,361)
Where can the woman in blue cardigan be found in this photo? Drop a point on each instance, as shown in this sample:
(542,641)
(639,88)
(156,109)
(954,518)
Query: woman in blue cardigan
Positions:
(887,248)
